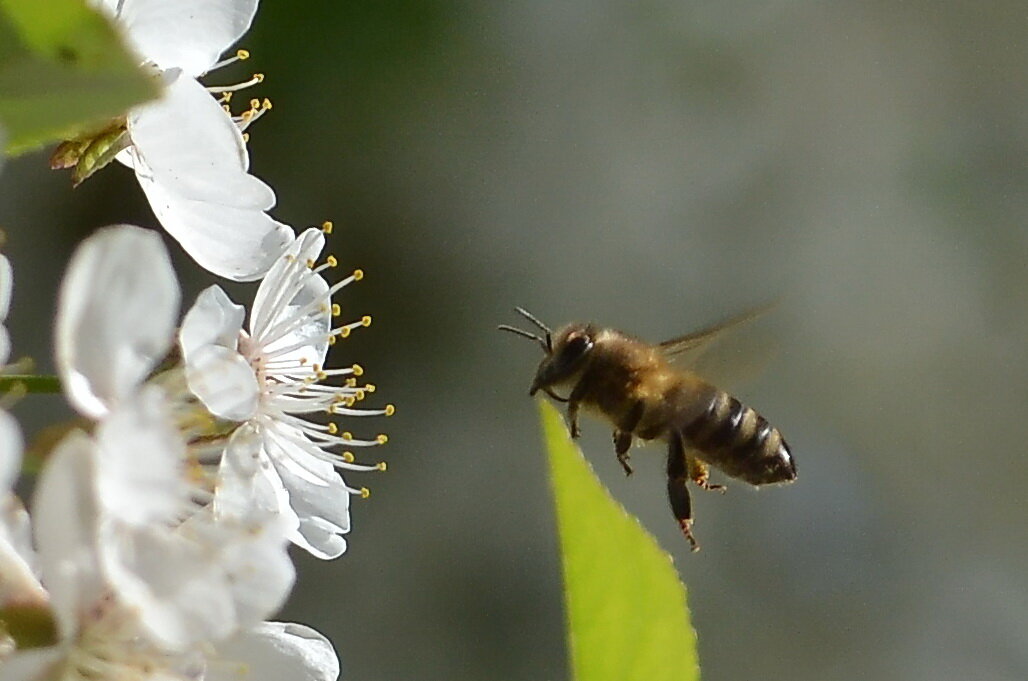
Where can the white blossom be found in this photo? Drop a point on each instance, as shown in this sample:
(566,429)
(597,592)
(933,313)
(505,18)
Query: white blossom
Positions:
(133,594)
(271,377)
(116,313)
(188,153)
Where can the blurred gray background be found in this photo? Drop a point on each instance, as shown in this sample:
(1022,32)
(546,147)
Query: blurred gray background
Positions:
(654,166)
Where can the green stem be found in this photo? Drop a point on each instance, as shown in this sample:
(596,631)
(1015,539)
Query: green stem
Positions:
(30,383)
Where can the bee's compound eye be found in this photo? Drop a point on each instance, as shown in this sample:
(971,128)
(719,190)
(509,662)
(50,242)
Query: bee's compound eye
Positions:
(577,346)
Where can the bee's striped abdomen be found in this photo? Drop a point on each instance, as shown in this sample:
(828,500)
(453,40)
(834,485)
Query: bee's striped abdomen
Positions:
(740,442)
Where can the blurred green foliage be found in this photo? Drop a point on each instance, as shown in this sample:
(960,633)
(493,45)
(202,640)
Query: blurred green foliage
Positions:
(63,70)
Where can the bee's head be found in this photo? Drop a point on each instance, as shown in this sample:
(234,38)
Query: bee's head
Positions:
(567,356)
(566,351)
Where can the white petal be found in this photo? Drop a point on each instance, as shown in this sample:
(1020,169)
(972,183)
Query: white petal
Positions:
(317,494)
(139,459)
(224,381)
(66,518)
(248,486)
(170,582)
(6,289)
(40,664)
(274,651)
(203,582)
(320,539)
(186,142)
(19,584)
(300,332)
(267,302)
(5,345)
(191,162)
(189,34)
(6,284)
(235,243)
(214,318)
(10,452)
(115,317)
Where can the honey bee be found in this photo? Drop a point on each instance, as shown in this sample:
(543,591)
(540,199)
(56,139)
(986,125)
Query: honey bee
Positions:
(638,389)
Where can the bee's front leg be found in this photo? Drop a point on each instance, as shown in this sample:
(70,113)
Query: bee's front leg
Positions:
(623,435)
(677,487)
(574,401)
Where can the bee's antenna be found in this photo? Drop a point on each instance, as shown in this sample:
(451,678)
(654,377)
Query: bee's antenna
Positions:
(532,318)
(526,334)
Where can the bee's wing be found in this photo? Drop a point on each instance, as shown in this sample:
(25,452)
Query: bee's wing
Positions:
(686,350)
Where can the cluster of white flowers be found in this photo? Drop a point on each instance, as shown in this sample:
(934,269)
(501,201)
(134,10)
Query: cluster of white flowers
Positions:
(156,546)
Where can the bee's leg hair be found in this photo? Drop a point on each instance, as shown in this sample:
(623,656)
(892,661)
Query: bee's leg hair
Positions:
(699,472)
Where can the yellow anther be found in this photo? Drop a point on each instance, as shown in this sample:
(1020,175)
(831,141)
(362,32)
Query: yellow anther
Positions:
(365,492)
(344,332)
(333,429)
(331,409)
(382,438)
(350,382)
(266,104)
(331,261)
(359,395)
(370,387)
(358,275)
(259,77)
(336,310)
(327,226)
(346,435)
(246,137)
(226,97)
(311,263)
(226,109)
(348,457)
(382,466)
(349,401)
(366,320)
(358,370)
(331,340)
(242,54)
(390,410)
(255,104)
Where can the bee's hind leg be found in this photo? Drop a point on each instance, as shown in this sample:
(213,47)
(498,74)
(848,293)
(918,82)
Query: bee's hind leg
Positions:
(677,487)
(623,435)
(699,473)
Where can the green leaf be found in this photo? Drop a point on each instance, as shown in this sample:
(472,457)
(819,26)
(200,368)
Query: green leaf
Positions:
(63,71)
(626,607)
